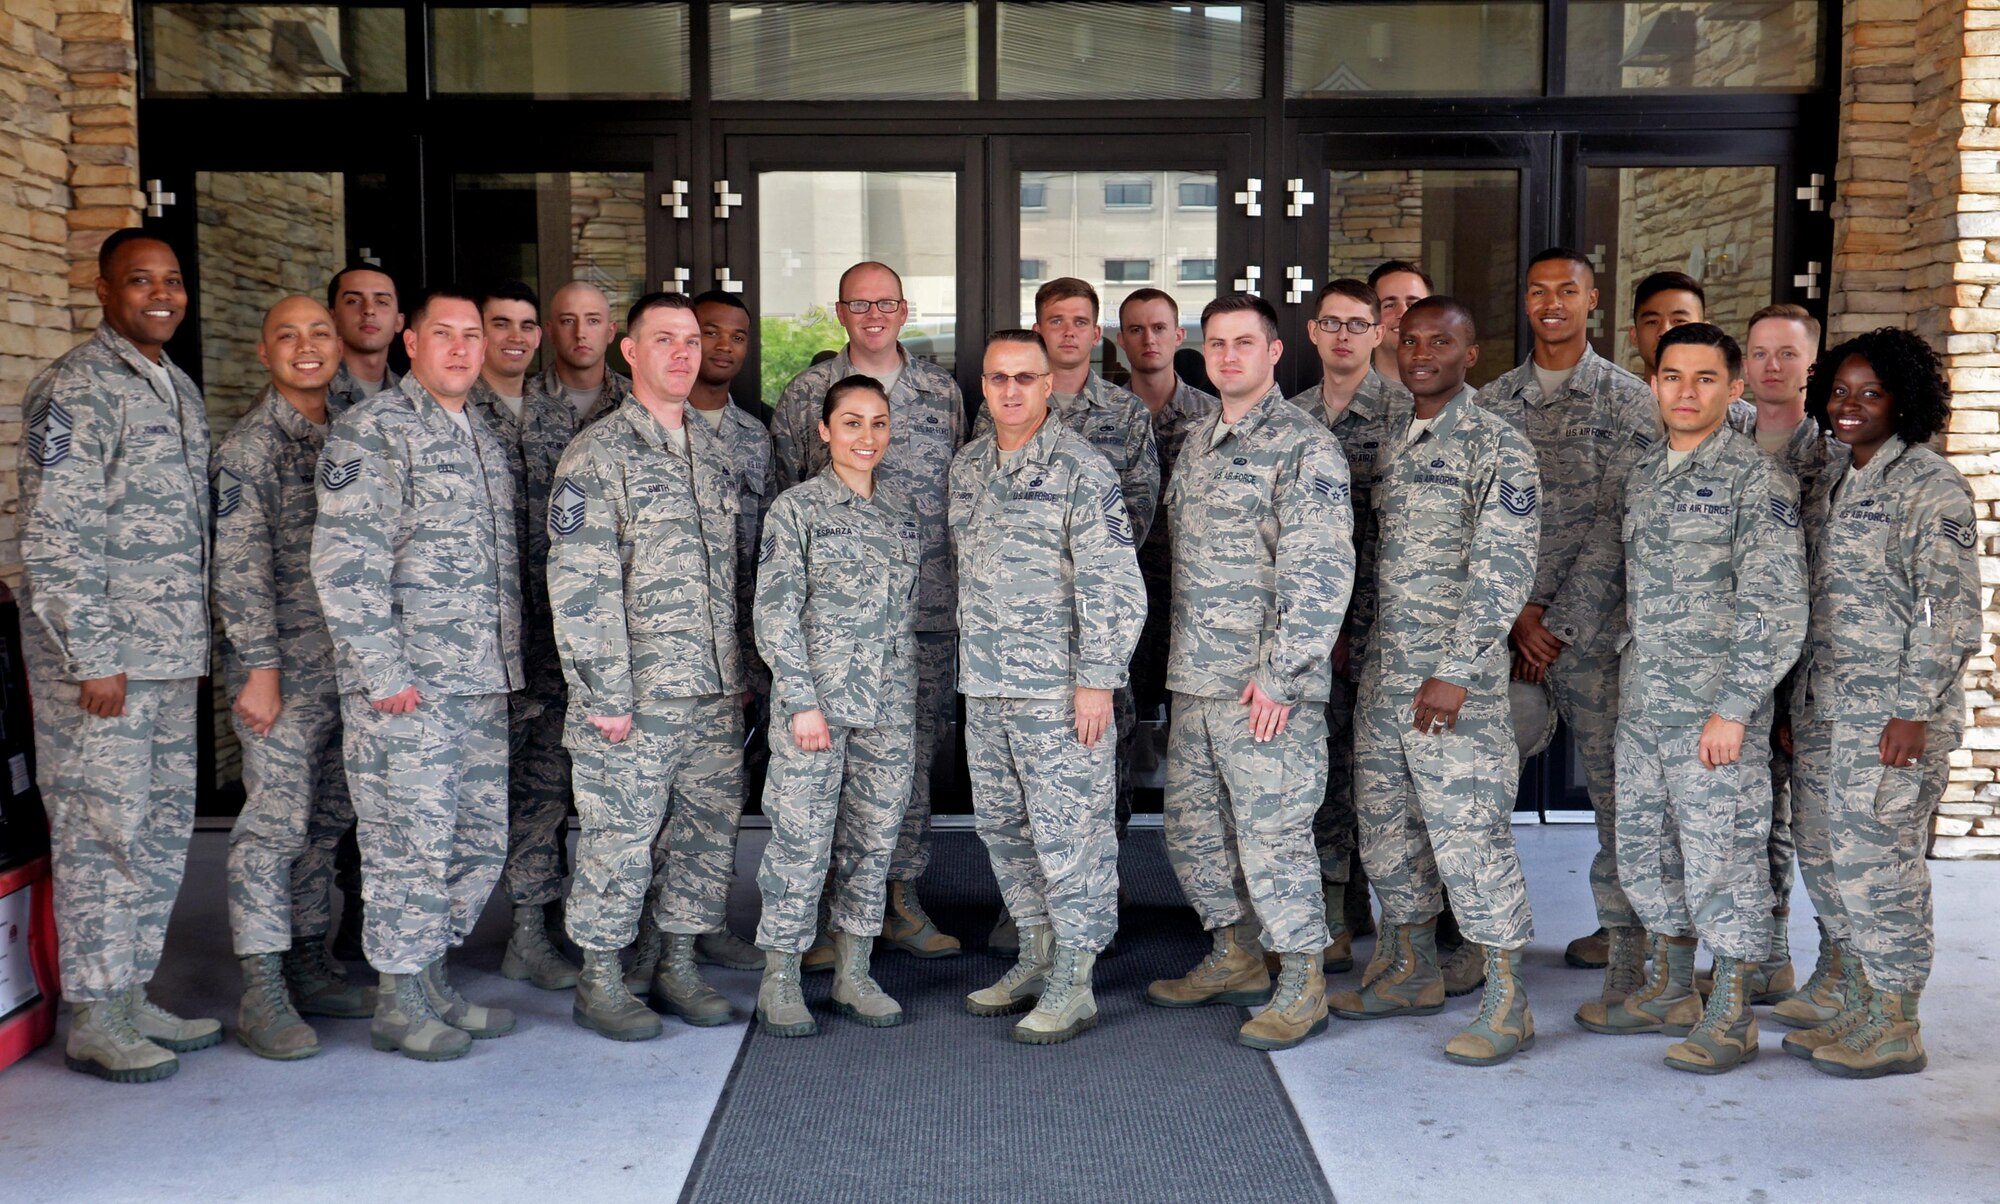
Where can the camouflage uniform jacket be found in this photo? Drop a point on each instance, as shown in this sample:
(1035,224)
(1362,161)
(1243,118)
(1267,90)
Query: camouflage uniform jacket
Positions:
(837,604)
(1714,582)
(642,566)
(748,447)
(1116,423)
(1363,432)
(262,494)
(534,443)
(1895,589)
(1184,411)
(1049,593)
(617,387)
(926,428)
(114,517)
(343,392)
(414,550)
(1458,515)
(1263,556)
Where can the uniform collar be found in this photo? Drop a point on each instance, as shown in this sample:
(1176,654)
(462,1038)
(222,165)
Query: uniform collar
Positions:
(1704,455)
(837,491)
(1878,466)
(1453,413)
(294,424)
(1256,415)
(1185,400)
(634,412)
(429,410)
(843,366)
(1039,448)
(1582,379)
(126,350)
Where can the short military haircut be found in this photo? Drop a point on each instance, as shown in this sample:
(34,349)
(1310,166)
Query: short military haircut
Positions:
(511,290)
(119,238)
(1391,266)
(1236,303)
(1701,334)
(863,266)
(653,301)
(716,296)
(333,285)
(1450,307)
(1354,290)
(855,383)
(1785,311)
(1565,255)
(1026,338)
(443,292)
(1666,282)
(1066,288)
(1141,296)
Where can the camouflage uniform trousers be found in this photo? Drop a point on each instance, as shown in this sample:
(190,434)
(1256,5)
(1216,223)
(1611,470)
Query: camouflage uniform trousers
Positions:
(332,860)
(120,795)
(1586,689)
(1692,842)
(1239,816)
(937,709)
(1043,805)
(1435,815)
(674,785)
(841,808)
(1336,825)
(291,775)
(430,800)
(538,786)
(1782,851)
(1862,831)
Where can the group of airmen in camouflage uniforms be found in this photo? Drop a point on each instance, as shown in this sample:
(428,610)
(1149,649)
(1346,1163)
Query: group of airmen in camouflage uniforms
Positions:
(454,602)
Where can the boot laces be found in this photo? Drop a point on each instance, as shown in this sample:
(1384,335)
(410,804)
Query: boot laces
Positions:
(1497,982)
(267,974)
(789,991)
(1869,1025)
(1291,982)
(913,907)
(1825,966)
(1725,1002)
(1627,972)
(445,991)
(114,1017)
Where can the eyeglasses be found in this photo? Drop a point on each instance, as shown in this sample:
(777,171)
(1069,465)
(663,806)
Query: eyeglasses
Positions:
(1353,325)
(887,305)
(1000,380)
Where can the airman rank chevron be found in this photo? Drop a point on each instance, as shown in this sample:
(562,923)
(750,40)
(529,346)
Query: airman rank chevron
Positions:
(50,429)
(1517,499)
(1327,489)
(1962,534)
(566,509)
(336,477)
(1787,512)
(1116,521)
(228,493)
(765,549)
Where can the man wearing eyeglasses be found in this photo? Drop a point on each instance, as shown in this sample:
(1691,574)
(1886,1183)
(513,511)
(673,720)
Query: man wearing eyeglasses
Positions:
(1356,404)
(926,429)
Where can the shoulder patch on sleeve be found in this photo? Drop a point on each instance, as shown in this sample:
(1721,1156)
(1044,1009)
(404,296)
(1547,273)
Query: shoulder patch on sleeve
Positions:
(1787,513)
(1116,521)
(566,508)
(50,432)
(765,549)
(1962,534)
(336,477)
(1327,489)
(227,493)
(1517,499)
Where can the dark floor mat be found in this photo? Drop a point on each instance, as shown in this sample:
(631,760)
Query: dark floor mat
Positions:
(1153,1104)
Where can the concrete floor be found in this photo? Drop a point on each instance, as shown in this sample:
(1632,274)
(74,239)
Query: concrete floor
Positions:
(552,1110)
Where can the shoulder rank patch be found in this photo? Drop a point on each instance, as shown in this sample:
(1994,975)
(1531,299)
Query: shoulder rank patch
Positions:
(1788,512)
(1517,499)
(50,430)
(336,477)
(1116,521)
(566,508)
(227,493)
(1962,534)
(1326,489)
(765,549)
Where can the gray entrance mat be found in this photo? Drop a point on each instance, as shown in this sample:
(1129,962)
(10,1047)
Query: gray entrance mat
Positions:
(1154,1104)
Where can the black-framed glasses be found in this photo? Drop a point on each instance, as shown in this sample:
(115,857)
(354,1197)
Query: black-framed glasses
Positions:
(1000,380)
(1353,325)
(887,305)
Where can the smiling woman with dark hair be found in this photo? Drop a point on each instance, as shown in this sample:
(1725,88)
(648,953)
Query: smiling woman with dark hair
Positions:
(1892,544)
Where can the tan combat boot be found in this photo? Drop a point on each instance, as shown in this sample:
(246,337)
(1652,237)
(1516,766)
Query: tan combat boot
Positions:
(1403,979)
(1005,939)
(1665,1003)
(1726,1036)
(1769,981)
(1298,1006)
(319,985)
(1852,1014)
(477,1021)
(166,1030)
(531,956)
(406,1023)
(1024,982)
(679,988)
(1624,965)
(1233,973)
(104,1043)
(781,1005)
(1464,970)
(1887,1042)
(1338,957)
(856,994)
(1504,1026)
(1067,1008)
(724,949)
(905,926)
(1824,994)
(266,1022)
(645,955)
(1589,952)
(604,1005)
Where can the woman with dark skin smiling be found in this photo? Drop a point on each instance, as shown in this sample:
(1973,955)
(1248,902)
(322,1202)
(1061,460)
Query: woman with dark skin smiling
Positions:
(1891,541)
